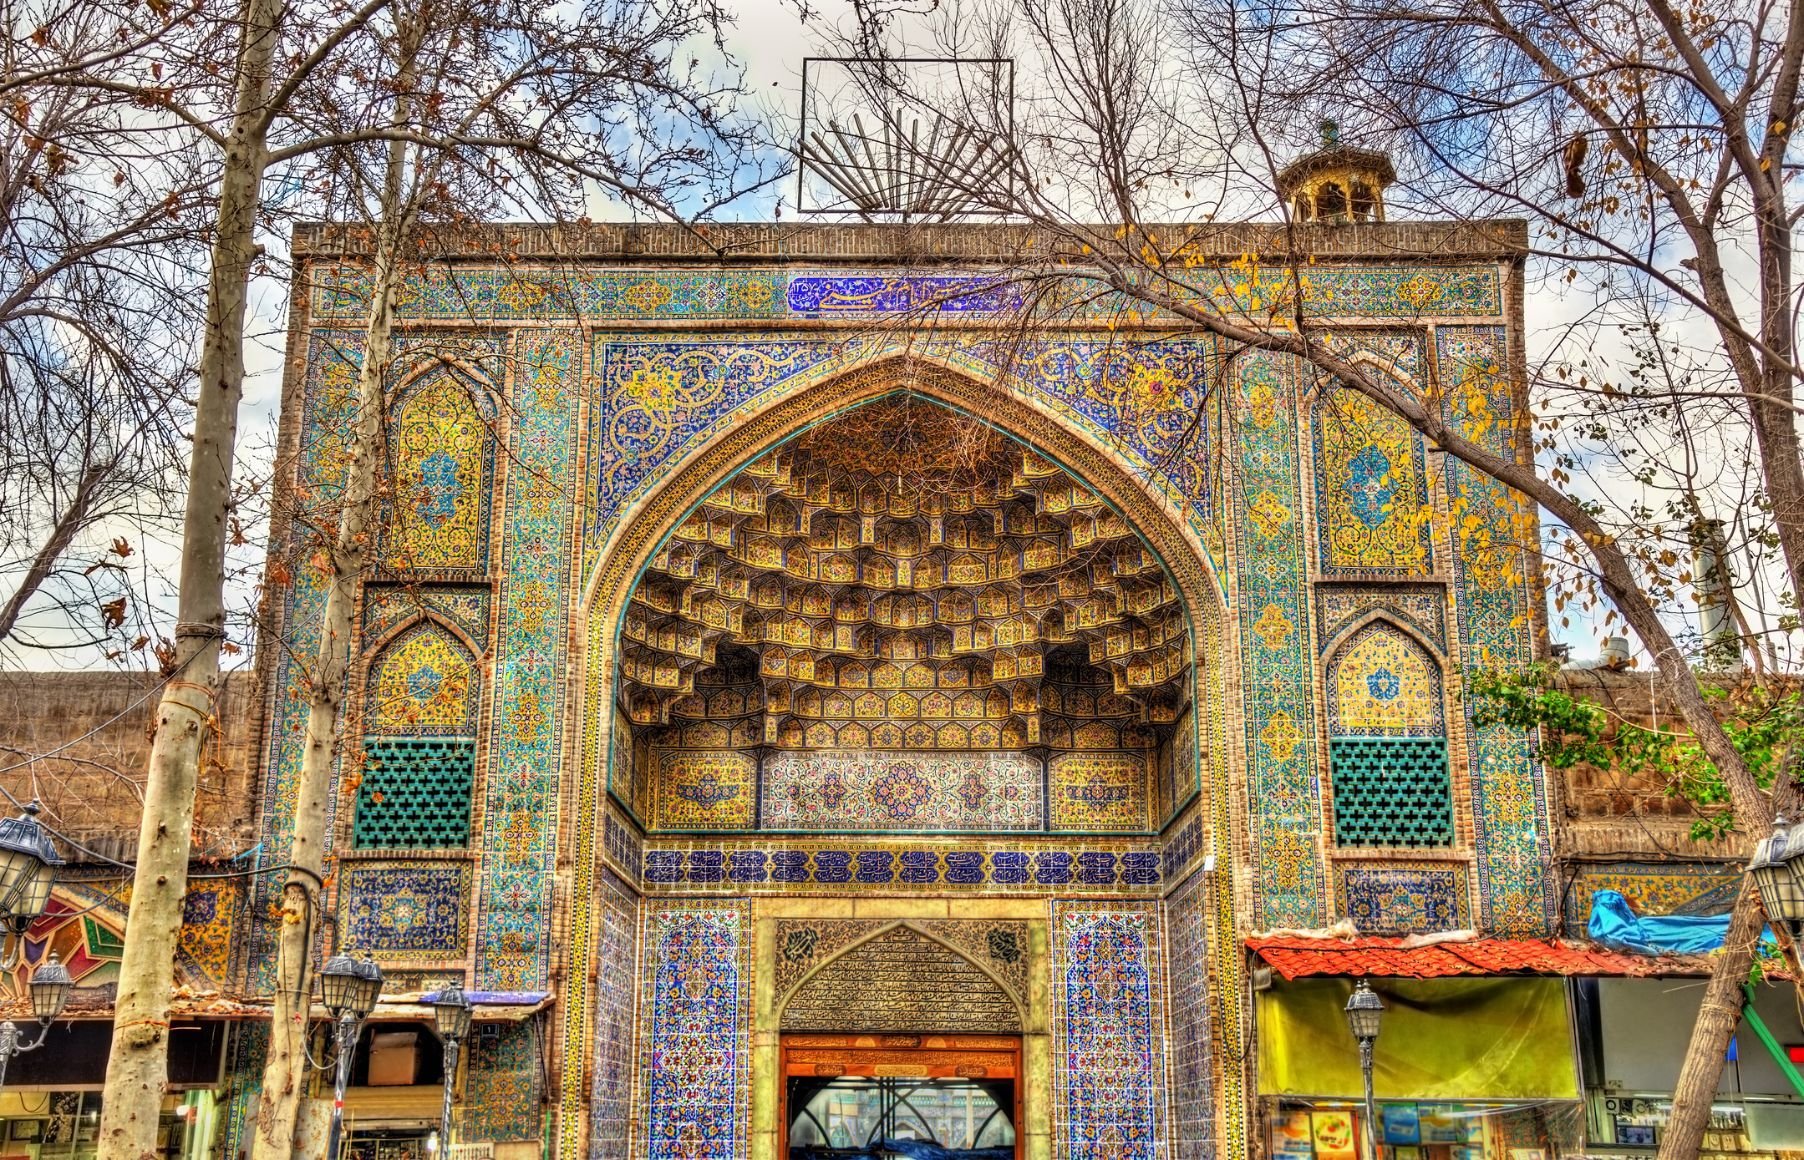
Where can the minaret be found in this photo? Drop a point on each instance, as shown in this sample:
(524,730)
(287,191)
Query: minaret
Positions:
(1336,183)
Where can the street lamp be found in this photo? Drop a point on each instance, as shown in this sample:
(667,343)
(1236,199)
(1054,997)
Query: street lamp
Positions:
(50,987)
(28,865)
(350,989)
(451,1011)
(1778,871)
(1364,1013)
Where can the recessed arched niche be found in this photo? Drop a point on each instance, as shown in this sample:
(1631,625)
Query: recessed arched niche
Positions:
(902,619)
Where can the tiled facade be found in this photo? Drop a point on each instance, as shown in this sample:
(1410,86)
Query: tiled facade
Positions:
(635,854)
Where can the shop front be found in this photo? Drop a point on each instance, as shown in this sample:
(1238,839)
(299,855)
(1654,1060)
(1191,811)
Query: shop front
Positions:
(1465,1069)
(1634,1033)
(50,1108)
(1481,1053)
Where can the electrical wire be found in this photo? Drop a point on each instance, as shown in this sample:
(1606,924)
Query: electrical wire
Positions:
(99,857)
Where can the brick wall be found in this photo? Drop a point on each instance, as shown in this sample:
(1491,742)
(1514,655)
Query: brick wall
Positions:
(78,742)
(1611,813)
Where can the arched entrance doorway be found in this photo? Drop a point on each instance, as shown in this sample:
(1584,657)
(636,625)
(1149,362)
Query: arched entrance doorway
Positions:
(901,1044)
(872,800)
(904,620)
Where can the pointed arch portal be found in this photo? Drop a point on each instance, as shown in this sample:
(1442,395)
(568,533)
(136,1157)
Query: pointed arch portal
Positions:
(901,603)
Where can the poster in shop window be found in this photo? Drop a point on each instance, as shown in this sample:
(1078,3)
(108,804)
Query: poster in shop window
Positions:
(1334,1135)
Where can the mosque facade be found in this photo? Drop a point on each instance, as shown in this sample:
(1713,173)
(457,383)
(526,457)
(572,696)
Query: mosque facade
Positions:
(805,677)
(819,688)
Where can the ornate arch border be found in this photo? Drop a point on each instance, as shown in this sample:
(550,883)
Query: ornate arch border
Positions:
(1138,493)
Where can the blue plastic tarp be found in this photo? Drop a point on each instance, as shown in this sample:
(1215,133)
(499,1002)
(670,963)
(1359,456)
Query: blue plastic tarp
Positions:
(921,1150)
(1620,928)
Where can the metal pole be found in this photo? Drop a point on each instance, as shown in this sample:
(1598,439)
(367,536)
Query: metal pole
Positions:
(444,1124)
(9,1039)
(347,1047)
(1365,1067)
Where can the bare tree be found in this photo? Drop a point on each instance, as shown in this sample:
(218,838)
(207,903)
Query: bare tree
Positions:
(101,213)
(295,98)
(1131,111)
(460,72)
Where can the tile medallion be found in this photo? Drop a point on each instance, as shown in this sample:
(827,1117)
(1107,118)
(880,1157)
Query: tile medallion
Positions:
(441,467)
(406,912)
(702,790)
(1372,508)
(423,682)
(1381,682)
(1089,792)
(901,791)
(1417,899)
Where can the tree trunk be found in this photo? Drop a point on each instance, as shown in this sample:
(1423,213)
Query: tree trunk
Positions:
(1710,1035)
(137,1067)
(1775,422)
(285,1072)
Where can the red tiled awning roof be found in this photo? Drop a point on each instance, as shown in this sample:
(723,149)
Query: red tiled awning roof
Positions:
(1297,957)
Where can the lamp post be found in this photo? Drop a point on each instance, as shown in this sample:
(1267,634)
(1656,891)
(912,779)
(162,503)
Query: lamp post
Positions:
(451,1011)
(350,990)
(50,987)
(1364,1012)
(28,865)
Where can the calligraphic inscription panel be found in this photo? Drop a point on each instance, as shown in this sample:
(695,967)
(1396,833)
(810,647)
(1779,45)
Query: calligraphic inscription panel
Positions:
(901,980)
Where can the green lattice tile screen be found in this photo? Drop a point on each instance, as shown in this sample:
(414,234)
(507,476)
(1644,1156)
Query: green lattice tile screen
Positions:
(1391,791)
(415,793)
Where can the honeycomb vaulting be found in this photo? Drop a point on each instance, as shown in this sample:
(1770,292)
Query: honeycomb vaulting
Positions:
(906,549)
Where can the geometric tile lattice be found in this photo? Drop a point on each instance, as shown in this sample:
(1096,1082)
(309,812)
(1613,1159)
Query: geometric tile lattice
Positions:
(1391,791)
(415,793)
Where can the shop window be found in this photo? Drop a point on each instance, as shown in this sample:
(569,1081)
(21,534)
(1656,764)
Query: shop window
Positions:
(415,793)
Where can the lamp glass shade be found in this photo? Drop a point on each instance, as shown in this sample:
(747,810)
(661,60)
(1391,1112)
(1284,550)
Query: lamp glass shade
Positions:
(367,989)
(1778,872)
(451,1011)
(337,980)
(1364,1011)
(50,987)
(28,865)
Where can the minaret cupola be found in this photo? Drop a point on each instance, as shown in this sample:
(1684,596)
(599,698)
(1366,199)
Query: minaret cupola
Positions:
(1336,183)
